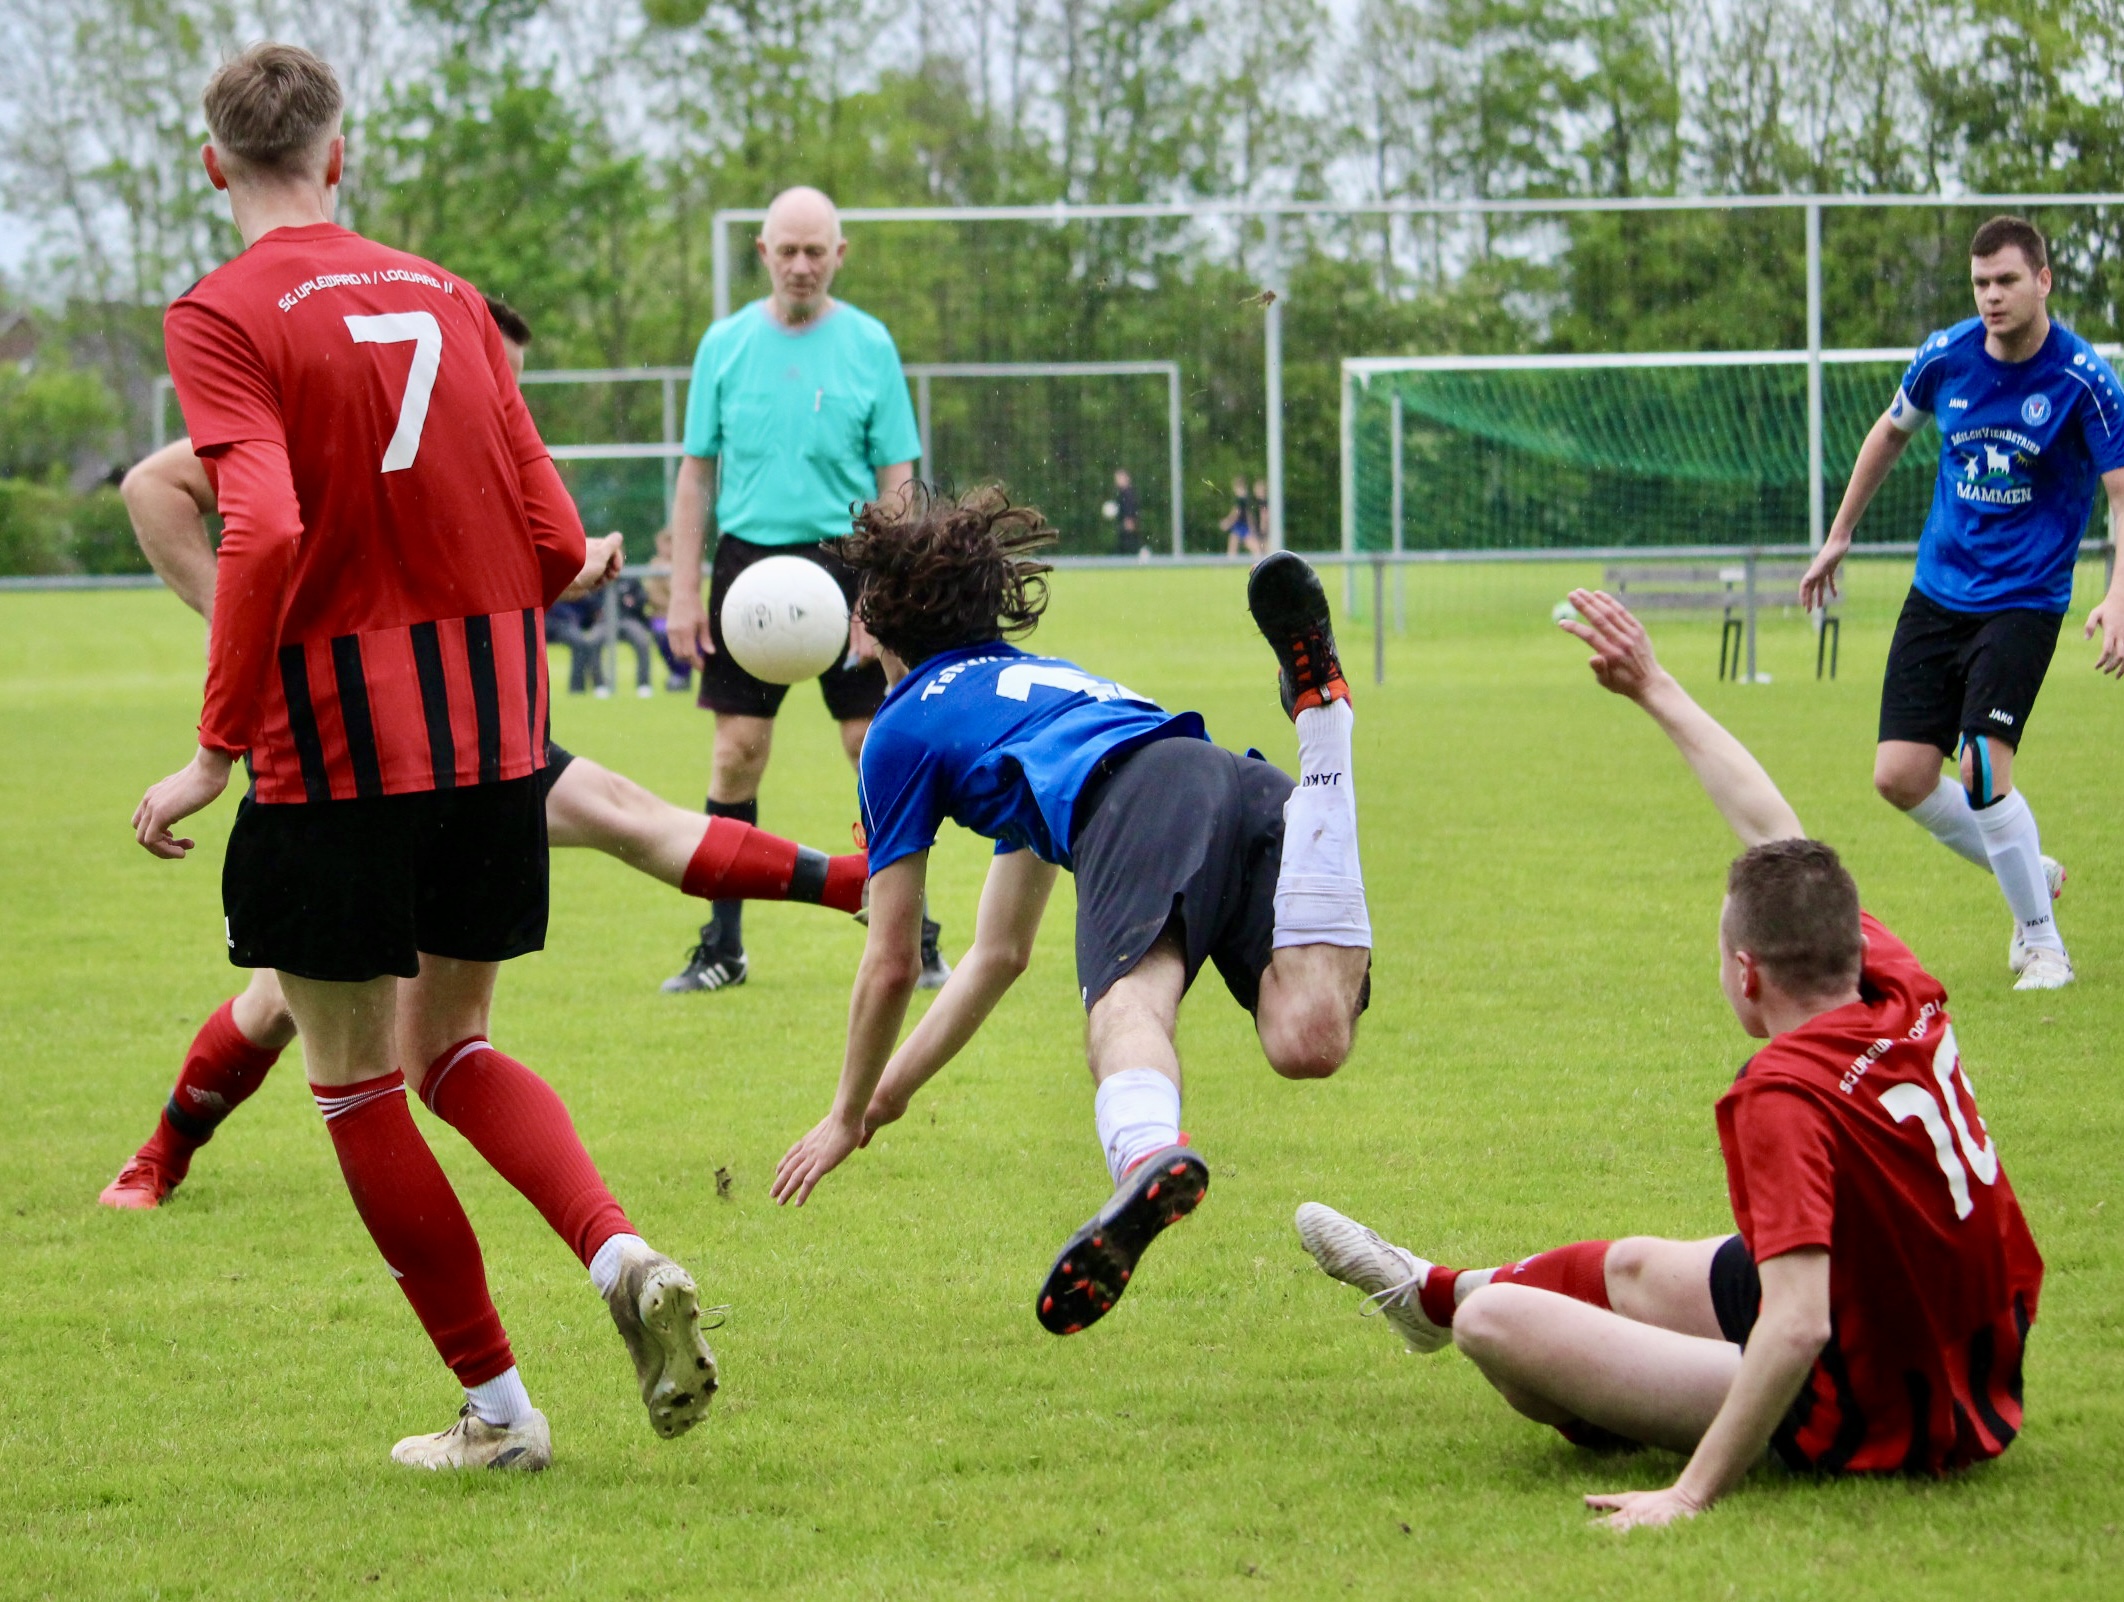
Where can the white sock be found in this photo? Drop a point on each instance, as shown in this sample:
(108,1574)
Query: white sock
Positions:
(1947,816)
(1138,1110)
(2017,858)
(1320,887)
(502,1401)
(605,1261)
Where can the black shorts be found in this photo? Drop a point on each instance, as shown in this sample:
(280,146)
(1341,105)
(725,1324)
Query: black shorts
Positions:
(353,890)
(557,760)
(1179,832)
(851,692)
(1952,674)
(1736,1290)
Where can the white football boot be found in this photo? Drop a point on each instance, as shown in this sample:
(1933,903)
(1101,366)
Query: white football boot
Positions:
(2017,948)
(1390,1277)
(2045,970)
(658,1312)
(526,1445)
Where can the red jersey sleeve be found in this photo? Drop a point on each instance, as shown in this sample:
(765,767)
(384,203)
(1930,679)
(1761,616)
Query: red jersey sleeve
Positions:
(1787,1158)
(261,530)
(223,388)
(556,526)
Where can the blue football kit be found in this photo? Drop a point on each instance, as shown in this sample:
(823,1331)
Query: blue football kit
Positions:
(2023,446)
(1001,742)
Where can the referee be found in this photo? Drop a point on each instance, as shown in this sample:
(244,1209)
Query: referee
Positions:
(798,412)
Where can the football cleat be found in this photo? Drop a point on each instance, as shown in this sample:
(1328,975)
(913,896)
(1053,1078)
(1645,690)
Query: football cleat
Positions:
(2045,970)
(2017,948)
(935,970)
(710,965)
(1391,1278)
(1094,1268)
(526,1445)
(658,1312)
(1291,610)
(142,1185)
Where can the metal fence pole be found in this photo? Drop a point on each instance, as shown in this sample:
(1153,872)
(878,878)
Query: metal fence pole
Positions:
(671,437)
(1272,324)
(1815,487)
(1400,505)
(1749,568)
(1378,619)
(1173,463)
(719,236)
(1349,486)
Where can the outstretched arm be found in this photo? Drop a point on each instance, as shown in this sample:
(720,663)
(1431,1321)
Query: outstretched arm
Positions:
(1009,918)
(892,963)
(1736,783)
(1883,448)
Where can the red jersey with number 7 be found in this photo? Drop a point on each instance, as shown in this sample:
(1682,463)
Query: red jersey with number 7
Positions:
(1859,1132)
(395,527)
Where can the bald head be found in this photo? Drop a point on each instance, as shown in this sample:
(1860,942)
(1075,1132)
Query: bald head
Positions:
(802,247)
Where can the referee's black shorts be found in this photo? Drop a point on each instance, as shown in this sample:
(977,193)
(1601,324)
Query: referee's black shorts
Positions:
(1181,834)
(1952,673)
(851,692)
(353,890)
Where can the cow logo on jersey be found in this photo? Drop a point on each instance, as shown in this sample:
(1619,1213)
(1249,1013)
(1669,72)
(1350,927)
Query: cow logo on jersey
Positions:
(2035,411)
(1992,461)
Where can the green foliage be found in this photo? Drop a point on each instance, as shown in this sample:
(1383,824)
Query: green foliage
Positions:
(45,528)
(52,418)
(198,1401)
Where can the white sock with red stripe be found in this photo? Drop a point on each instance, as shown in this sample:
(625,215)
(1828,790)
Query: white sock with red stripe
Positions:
(1138,1112)
(1320,886)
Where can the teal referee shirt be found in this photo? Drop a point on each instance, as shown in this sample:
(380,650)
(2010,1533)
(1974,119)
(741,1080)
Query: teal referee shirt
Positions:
(800,420)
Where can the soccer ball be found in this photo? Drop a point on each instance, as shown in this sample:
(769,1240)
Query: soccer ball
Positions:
(1561,612)
(785,620)
(1109,510)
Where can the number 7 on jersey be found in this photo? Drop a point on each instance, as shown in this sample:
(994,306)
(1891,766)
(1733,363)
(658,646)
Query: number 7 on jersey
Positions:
(425,333)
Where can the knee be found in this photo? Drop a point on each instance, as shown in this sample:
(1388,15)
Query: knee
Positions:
(1484,1324)
(1310,1042)
(1626,1265)
(1903,786)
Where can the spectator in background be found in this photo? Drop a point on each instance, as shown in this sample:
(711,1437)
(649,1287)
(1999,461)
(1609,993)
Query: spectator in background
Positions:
(1238,523)
(1261,517)
(631,597)
(1128,530)
(575,625)
(657,587)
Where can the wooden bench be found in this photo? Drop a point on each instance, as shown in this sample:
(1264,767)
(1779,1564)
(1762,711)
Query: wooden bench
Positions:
(1736,590)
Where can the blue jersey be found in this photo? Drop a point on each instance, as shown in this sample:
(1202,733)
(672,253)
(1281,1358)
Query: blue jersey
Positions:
(1000,741)
(2022,447)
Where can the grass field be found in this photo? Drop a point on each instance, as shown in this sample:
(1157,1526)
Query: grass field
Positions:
(198,1401)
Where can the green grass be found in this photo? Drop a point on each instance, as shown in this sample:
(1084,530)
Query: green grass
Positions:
(197,1402)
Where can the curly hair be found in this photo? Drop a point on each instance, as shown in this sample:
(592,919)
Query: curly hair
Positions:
(939,571)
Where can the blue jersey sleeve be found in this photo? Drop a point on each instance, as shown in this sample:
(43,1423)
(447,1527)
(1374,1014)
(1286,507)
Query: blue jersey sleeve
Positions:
(893,436)
(902,794)
(2100,412)
(1917,397)
(704,403)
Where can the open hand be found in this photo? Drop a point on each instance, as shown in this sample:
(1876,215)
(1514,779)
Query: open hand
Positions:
(1818,583)
(811,1159)
(2106,623)
(686,626)
(1631,1510)
(192,788)
(1622,652)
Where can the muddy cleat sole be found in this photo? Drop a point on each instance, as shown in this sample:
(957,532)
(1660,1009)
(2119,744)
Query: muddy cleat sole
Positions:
(1094,1268)
(1291,610)
(658,1312)
(1390,1276)
(141,1186)
(472,1443)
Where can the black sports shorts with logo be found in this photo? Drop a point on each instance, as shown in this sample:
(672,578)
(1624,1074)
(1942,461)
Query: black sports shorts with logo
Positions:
(851,692)
(1964,673)
(353,890)
(1185,834)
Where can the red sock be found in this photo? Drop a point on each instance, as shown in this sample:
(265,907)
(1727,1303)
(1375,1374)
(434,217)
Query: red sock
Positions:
(414,1217)
(1435,1295)
(1579,1272)
(515,1121)
(219,1074)
(736,862)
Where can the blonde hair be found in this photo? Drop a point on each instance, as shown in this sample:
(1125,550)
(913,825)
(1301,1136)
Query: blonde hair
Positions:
(271,107)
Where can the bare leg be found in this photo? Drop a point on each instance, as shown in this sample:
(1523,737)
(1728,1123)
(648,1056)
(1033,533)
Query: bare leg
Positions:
(1555,1360)
(1307,1015)
(347,1029)
(742,746)
(852,732)
(1905,772)
(261,1012)
(1666,1283)
(593,806)
(1133,1024)
(450,1001)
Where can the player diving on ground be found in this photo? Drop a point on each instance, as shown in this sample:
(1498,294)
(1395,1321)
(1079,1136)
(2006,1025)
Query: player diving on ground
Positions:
(169,496)
(1871,1312)
(1184,853)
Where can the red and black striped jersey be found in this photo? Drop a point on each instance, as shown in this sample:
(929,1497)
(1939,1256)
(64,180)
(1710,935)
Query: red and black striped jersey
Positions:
(394,526)
(1859,1132)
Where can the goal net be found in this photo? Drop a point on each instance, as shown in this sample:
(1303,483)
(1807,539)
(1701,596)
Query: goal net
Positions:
(1548,453)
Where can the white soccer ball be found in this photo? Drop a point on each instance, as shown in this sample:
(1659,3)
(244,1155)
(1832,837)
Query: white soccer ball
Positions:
(1562,612)
(1109,510)
(785,620)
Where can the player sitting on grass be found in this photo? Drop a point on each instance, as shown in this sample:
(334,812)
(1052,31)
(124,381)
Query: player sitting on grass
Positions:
(1183,853)
(394,529)
(1870,1315)
(169,498)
